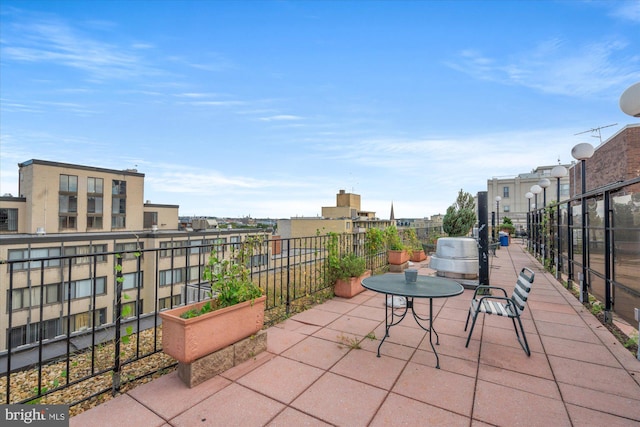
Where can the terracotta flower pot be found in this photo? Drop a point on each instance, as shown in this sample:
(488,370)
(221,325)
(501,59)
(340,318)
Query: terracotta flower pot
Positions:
(190,339)
(418,255)
(397,257)
(350,287)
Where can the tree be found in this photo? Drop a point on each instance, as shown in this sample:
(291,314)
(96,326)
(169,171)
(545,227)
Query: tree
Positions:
(460,216)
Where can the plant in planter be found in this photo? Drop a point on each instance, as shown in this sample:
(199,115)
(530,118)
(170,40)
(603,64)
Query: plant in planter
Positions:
(460,216)
(398,253)
(349,272)
(346,269)
(235,311)
(417,252)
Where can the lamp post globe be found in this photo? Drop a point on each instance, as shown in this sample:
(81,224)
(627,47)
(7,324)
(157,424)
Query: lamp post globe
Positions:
(630,100)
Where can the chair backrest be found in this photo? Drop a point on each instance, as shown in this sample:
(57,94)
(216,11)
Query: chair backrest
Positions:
(522,289)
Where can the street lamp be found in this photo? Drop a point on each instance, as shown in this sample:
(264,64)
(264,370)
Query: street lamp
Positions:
(536,189)
(630,100)
(558,172)
(529,196)
(544,183)
(583,152)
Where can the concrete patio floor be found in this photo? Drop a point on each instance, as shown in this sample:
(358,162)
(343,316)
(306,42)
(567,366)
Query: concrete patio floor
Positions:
(312,374)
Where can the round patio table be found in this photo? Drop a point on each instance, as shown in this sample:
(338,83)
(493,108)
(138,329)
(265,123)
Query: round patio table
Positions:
(395,285)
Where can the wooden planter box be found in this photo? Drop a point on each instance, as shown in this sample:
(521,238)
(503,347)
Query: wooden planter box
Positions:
(397,257)
(189,339)
(350,287)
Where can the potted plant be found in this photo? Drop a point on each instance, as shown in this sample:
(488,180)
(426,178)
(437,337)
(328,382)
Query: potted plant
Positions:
(346,269)
(396,251)
(234,311)
(417,252)
(349,271)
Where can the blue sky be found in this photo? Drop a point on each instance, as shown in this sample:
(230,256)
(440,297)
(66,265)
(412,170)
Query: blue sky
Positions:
(269,108)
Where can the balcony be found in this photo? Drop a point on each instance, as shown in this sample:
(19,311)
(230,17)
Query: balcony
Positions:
(321,369)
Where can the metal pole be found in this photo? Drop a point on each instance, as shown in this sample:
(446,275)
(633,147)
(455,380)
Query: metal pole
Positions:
(483,238)
(558,241)
(584,291)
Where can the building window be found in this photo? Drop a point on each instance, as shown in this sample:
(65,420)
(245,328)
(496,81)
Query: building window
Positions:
(165,303)
(30,297)
(168,277)
(118,204)
(84,288)
(131,309)
(87,250)
(131,281)
(173,248)
(68,202)
(150,219)
(505,192)
(506,208)
(82,321)
(27,334)
(18,254)
(95,202)
(8,219)
(129,250)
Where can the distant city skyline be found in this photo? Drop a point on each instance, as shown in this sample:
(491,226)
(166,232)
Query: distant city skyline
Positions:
(268,108)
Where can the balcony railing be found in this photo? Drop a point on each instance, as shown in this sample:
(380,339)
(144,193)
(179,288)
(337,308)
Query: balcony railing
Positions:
(92,318)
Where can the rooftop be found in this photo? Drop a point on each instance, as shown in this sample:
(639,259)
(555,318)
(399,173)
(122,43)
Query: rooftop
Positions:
(314,374)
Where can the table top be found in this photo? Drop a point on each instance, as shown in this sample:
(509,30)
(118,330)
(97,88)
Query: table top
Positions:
(424,287)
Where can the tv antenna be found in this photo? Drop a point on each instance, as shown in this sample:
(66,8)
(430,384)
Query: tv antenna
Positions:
(596,131)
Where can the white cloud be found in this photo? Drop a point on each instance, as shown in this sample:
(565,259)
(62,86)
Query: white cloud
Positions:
(280,117)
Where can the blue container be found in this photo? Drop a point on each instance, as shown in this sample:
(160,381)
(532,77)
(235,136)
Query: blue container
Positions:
(504,240)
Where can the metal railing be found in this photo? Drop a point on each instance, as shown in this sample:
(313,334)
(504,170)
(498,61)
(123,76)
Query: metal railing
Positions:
(602,253)
(98,321)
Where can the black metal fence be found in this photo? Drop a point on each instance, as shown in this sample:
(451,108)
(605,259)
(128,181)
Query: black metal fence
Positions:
(597,237)
(90,322)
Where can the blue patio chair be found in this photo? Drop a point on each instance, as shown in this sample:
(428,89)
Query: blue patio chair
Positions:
(505,306)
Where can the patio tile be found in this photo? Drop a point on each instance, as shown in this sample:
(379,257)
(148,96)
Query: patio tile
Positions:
(336,305)
(368,312)
(452,327)
(520,381)
(168,396)
(401,334)
(124,405)
(316,352)
(340,401)
(515,359)
(577,350)
(508,337)
(437,387)
(279,340)
(367,367)
(568,332)
(400,410)
(233,406)
(242,369)
(354,325)
(281,378)
(584,416)
(601,402)
(505,406)
(317,317)
(595,377)
(299,327)
(447,362)
(388,349)
(291,417)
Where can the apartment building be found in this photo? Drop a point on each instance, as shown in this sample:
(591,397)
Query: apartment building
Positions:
(512,191)
(66,224)
(346,217)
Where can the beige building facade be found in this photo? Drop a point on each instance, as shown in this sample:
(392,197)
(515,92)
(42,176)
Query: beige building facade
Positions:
(67,224)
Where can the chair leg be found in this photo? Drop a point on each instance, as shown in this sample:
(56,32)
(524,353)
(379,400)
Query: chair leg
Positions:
(525,344)
(467,322)
(473,324)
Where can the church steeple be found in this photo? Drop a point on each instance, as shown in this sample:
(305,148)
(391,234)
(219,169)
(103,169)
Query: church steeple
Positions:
(392,217)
